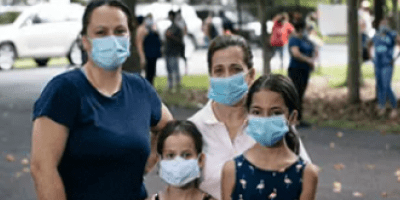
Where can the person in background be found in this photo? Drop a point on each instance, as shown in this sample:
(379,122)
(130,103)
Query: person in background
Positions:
(384,42)
(180,147)
(180,21)
(90,135)
(303,54)
(281,31)
(209,29)
(272,168)
(222,121)
(364,14)
(173,51)
(227,24)
(141,33)
(152,48)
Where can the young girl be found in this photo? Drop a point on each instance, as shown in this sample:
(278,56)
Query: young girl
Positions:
(271,169)
(180,148)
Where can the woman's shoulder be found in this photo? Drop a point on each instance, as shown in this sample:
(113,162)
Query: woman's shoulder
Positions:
(65,81)
(136,80)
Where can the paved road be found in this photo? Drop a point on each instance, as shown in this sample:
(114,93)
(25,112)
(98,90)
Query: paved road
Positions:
(356,150)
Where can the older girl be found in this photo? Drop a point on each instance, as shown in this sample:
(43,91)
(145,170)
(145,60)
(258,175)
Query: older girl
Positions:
(271,169)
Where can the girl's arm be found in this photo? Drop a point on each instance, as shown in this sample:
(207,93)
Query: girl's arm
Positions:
(310,182)
(166,116)
(228,180)
(48,143)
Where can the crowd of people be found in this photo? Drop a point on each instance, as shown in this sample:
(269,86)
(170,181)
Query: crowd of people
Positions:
(91,125)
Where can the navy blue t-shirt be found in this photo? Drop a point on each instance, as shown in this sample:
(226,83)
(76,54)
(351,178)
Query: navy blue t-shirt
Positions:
(306,48)
(109,137)
(384,46)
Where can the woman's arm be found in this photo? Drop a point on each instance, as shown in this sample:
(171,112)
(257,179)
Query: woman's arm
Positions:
(228,180)
(48,144)
(166,116)
(141,34)
(310,182)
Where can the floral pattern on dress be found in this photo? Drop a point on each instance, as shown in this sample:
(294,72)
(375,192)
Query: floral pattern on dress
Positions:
(255,183)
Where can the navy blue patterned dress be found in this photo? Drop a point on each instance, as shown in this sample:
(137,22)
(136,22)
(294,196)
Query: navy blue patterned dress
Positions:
(254,183)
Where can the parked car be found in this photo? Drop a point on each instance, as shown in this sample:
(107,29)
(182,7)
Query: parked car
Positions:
(41,32)
(250,26)
(159,11)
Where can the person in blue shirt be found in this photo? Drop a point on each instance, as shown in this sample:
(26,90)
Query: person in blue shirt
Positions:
(302,59)
(384,42)
(91,126)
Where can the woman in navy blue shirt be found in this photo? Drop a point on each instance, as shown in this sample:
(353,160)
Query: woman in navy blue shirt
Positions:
(303,54)
(91,125)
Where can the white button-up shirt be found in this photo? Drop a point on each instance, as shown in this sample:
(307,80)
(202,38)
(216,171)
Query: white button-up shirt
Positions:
(218,148)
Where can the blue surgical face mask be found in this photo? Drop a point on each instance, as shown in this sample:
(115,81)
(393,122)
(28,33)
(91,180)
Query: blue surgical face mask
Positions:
(267,130)
(179,172)
(110,52)
(228,91)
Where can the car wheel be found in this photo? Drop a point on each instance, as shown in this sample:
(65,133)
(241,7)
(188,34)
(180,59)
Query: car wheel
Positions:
(42,62)
(75,54)
(7,56)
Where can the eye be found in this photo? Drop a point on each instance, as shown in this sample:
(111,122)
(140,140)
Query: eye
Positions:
(275,113)
(100,32)
(255,112)
(120,31)
(170,156)
(186,155)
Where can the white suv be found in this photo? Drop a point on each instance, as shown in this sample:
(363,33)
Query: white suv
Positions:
(41,32)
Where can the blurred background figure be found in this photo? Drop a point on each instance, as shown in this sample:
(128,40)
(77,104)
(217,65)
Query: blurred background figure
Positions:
(152,48)
(301,64)
(384,43)
(364,14)
(141,32)
(227,24)
(181,23)
(173,51)
(281,31)
(209,29)
(313,33)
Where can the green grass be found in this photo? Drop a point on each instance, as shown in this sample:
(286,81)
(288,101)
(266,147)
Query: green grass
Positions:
(26,63)
(340,39)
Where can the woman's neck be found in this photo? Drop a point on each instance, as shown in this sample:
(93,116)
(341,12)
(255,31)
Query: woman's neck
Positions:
(227,114)
(106,82)
(176,193)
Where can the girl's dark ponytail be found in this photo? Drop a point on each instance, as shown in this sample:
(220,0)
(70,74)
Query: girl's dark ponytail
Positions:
(292,140)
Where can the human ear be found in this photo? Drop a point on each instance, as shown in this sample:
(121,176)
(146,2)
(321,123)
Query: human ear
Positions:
(293,118)
(86,43)
(202,160)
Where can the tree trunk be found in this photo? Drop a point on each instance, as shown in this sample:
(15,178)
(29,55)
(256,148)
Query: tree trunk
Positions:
(379,5)
(132,64)
(396,15)
(267,49)
(353,73)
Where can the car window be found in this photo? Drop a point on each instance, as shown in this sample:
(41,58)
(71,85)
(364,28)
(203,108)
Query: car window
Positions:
(9,17)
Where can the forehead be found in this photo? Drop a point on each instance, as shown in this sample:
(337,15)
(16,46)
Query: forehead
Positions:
(179,142)
(105,15)
(268,99)
(229,55)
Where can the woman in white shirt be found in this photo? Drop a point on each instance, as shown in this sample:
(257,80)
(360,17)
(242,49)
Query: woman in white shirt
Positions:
(222,120)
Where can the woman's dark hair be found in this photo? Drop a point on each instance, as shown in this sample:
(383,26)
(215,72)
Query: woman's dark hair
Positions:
(285,87)
(300,25)
(180,127)
(95,4)
(225,41)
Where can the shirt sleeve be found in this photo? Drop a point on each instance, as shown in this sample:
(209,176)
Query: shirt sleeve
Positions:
(155,102)
(58,101)
(293,42)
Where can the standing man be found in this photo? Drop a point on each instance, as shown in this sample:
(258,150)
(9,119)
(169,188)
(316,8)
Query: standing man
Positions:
(384,42)
(280,34)
(173,50)
(365,16)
